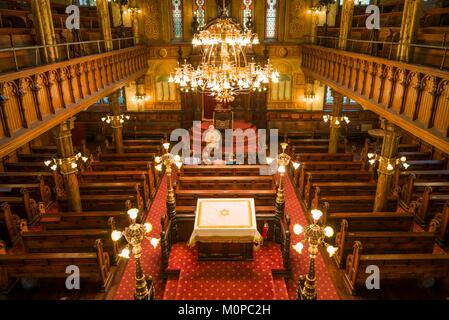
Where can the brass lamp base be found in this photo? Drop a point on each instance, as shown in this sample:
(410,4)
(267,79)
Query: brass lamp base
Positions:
(147,293)
(305,291)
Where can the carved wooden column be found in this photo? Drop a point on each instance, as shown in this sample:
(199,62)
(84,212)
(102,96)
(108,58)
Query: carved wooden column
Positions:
(116,124)
(105,23)
(43,22)
(409,26)
(63,137)
(388,154)
(334,134)
(345,24)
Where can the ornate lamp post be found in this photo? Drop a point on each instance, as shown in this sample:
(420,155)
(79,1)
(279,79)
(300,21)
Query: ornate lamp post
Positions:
(314,235)
(166,160)
(134,235)
(282,160)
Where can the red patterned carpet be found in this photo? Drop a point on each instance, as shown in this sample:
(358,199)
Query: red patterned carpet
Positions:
(300,263)
(224,280)
(151,258)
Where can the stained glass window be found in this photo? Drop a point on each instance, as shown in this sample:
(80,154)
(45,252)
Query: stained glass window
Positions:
(177,19)
(247,11)
(199,12)
(359,2)
(270,22)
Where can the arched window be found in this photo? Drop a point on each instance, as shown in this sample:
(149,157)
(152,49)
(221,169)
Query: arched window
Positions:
(165,91)
(270,20)
(282,91)
(359,2)
(177,19)
(247,12)
(200,13)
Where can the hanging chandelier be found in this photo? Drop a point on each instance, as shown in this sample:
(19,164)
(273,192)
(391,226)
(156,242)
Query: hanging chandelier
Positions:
(224,71)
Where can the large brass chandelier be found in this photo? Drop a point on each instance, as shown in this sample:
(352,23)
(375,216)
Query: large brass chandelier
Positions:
(224,70)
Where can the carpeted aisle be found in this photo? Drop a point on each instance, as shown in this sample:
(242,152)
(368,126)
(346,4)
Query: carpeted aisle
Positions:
(151,257)
(300,263)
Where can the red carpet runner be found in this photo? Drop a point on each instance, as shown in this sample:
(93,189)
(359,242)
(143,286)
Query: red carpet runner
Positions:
(300,263)
(220,279)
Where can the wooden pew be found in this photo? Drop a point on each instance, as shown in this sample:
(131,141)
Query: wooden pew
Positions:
(9,225)
(144,134)
(102,203)
(372,221)
(93,265)
(25,166)
(412,266)
(325,189)
(38,190)
(35,157)
(70,240)
(412,191)
(135,156)
(362,203)
(375,242)
(222,170)
(298,149)
(141,142)
(145,178)
(83,220)
(430,205)
(261,197)
(440,225)
(53,149)
(226,183)
(308,157)
(24,206)
(427,164)
(307,142)
(306,179)
(25,177)
(136,149)
(332,165)
(133,146)
(99,189)
(147,166)
(410,177)
(415,155)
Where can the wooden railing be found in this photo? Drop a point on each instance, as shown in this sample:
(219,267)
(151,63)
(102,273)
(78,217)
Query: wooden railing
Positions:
(34,100)
(413,97)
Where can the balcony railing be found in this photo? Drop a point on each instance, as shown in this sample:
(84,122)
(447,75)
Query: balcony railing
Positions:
(421,54)
(414,97)
(17,58)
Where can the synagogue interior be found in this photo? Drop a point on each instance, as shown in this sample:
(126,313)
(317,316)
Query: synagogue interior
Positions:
(224,149)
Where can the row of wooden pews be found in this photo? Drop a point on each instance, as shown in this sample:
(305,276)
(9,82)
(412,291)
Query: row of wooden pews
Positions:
(345,188)
(424,185)
(55,238)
